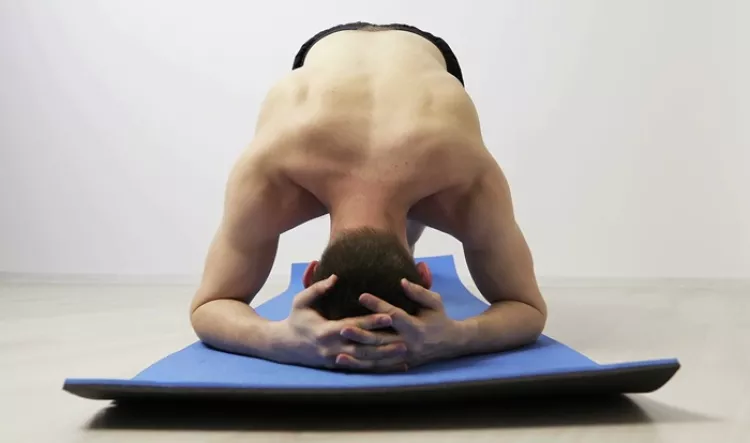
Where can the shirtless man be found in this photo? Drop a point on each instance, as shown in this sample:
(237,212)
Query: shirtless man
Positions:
(374,127)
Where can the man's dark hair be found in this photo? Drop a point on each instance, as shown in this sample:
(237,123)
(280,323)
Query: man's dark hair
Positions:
(365,260)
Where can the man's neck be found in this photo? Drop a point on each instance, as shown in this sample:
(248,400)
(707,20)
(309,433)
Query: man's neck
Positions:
(341,223)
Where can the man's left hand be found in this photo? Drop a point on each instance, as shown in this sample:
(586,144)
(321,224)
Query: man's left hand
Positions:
(429,336)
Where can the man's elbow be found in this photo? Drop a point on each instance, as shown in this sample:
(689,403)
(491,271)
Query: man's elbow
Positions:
(195,304)
(204,321)
(538,322)
(541,307)
(202,297)
(538,316)
(534,320)
(522,322)
(198,311)
(195,317)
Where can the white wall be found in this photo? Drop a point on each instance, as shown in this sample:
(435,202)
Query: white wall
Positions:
(623,127)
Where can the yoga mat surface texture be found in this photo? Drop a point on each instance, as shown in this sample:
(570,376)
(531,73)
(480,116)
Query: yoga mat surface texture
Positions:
(546,367)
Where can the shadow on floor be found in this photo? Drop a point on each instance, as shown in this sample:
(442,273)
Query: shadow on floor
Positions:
(616,410)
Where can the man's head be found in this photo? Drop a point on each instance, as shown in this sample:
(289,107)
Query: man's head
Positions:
(365,260)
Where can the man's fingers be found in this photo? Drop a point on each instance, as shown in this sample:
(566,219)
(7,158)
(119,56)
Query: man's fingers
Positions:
(395,364)
(402,322)
(365,352)
(423,296)
(375,321)
(363,336)
(305,298)
(376,304)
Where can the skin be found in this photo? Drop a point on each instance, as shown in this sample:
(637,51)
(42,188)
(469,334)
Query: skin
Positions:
(374,132)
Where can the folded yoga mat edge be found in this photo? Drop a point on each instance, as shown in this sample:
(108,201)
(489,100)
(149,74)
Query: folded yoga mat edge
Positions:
(632,378)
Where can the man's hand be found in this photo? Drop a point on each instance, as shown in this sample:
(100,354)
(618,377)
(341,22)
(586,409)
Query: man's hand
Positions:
(309,339)
(429,336)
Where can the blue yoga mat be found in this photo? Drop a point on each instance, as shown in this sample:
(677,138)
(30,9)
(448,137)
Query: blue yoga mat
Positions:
(546,367)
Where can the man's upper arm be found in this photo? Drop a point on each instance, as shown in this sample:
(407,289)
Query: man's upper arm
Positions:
(243,250)
(496,251)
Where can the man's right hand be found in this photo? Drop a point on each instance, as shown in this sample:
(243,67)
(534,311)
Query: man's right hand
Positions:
(308,339)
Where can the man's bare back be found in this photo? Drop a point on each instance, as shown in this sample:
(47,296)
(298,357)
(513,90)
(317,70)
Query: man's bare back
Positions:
(371,132)
(376,132)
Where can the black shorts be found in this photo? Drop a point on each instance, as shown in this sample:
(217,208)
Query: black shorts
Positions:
(450,59)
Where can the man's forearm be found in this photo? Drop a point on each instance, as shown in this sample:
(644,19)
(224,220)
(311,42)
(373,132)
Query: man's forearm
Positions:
(504,325)
(234,326)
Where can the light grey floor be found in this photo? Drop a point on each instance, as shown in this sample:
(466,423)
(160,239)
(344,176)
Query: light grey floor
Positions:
(49,332)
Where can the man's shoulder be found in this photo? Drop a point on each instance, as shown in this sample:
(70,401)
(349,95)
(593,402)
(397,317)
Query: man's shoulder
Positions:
(459,185)
(257,163)
(486,205)
(259,187)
